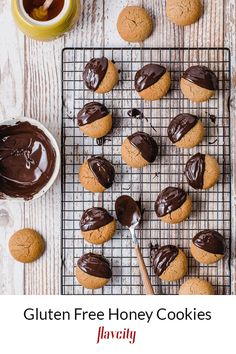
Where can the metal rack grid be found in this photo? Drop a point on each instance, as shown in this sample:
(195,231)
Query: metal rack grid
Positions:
(211,209)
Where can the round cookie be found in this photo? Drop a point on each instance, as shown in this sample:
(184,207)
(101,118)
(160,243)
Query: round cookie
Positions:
(173,205)
(152,82)
(139,150)
(26,245)
(196,286)
(198,83)
(185,131)
(96,174)
(93,271)
(97,225)
(202,171)
(169,263)
(208,246)
(94,120)
(184,12)
(134,24)
(100,75)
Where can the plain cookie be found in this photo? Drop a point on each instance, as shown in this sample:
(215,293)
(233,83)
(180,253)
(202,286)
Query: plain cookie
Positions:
(196,286)
(184,12)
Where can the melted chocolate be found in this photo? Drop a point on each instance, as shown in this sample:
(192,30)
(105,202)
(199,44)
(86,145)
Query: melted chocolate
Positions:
(135,113)
(145,144)
(180,126)
(148,75)
(162,257)
(96,265)
(102,170)
(94,218)
(201,76)
(127,211)
(194,171)
(170,199)
(94,72)
(210,241)
(91,112)
(27,160)
(212,118)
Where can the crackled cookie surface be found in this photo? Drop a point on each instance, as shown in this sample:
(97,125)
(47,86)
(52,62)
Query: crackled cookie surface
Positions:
(184,12)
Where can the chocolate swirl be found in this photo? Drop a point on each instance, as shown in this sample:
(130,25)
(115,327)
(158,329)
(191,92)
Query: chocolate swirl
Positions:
(170,199)
(102,170)
(94,72)
(180,126)
(96,265)
(210,241)
(91,112)
(145,144)
(94,218)
(147,76)
(162,257)
(201,76)
(194,171)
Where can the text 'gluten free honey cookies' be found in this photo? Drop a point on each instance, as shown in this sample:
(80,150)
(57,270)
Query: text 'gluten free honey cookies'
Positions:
(196,286)
(184,12)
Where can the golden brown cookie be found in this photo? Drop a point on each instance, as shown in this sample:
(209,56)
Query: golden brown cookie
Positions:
(93,271)
(196,286)
(96,174)
(134,24)
(169,262)
(184,12)
(26,245)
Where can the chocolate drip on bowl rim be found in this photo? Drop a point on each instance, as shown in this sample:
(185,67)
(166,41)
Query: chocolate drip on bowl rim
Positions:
(148,75)
(169,200)
(96,265)
(94,218)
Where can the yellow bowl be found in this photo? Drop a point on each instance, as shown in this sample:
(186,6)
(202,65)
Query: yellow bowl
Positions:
(46,30)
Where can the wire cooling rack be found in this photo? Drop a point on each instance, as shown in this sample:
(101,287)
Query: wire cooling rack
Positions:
(211,209)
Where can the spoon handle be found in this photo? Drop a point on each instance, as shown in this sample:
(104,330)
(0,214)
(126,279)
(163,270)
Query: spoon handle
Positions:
(47,4)
(143,270)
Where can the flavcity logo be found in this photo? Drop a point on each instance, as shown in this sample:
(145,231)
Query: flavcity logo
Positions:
(125,334)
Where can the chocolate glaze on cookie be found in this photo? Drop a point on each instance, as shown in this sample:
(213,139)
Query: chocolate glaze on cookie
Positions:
(210,241)
(145,144)
(96,265)
(148,76)
(169,200)
(162,257)
(127,211)
(94,72)
(94,218)
(102,170)
(91,112)
(180,126)
(201,76)
(194,171)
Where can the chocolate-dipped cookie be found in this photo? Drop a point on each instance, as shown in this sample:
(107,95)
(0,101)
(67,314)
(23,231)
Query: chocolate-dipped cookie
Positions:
(185,130)
(152,82)
(97,225)
(93,271)
(173,205)
(196,286)
(202,171)
(94,120)
(198,83)
(100,75)
(96,174)
(208,246)
(139,150)
(169,262)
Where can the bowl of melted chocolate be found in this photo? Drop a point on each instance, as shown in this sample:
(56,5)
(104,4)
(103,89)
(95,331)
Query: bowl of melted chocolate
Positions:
(29,159)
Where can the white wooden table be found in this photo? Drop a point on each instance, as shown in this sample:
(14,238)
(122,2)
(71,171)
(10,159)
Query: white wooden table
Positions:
(30,85)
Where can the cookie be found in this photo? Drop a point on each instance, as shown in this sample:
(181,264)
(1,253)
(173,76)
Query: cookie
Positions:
(97,225)
(202,171)
(96,174)
(199,83)
(152,82)
(26,245)
(196,286)
(94,120)
(173,205)
(139,150)
(185,131)
(184,12)
(93,271)
(208,246)
(134,24)
(169,262)
(100,75)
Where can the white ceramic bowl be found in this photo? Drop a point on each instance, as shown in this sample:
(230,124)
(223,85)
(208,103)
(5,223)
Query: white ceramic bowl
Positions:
(51,138)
